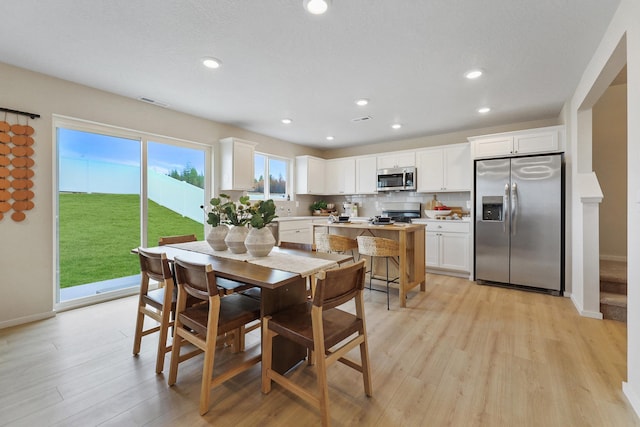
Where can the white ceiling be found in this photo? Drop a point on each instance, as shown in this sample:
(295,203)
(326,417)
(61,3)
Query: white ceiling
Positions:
(407,56)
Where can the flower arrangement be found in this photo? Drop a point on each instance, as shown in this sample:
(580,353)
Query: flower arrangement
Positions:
(215,213)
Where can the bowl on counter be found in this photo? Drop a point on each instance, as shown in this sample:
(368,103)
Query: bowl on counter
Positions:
(435,213)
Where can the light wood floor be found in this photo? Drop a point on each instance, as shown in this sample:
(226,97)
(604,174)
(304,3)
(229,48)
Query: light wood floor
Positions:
(460,354)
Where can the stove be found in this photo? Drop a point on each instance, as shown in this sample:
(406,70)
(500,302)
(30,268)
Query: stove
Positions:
(401,211)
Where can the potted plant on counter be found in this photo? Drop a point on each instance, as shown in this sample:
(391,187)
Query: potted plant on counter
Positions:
(260,240)
(318,206)
(237,214)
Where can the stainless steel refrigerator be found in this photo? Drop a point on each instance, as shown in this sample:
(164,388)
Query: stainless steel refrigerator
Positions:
(519,222)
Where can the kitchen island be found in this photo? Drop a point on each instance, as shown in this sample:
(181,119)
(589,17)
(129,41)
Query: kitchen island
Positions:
(411,265)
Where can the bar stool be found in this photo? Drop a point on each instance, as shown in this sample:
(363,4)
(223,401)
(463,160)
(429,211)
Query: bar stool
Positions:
(335,243)
(382,248)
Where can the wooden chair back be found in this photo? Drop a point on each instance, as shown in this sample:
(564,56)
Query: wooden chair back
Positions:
(197,280)
(154,265)
(184,238)
(337,286)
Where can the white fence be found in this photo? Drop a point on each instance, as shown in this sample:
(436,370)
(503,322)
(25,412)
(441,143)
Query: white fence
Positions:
(90,176)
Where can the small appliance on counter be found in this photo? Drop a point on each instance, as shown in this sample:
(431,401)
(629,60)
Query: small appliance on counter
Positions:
(381,220)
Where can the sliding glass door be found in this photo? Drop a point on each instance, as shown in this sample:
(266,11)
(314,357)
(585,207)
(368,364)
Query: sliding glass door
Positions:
(118,190)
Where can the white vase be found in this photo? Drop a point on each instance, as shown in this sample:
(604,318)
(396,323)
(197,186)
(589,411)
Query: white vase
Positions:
(259,241)
(216,237)
(235,239)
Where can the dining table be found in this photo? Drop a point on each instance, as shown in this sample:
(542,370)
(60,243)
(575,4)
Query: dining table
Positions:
(282,277)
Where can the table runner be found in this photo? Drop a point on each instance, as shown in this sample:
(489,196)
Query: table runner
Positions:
(305,266)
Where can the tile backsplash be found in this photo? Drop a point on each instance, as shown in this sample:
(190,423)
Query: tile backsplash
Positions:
(370,205)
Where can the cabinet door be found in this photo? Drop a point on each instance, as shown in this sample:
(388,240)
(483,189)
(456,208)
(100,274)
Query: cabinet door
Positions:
(309,175)
(457,168)
(454,251)
(430,170)
(538,142)
(496,146)
(237,164)
(396,160)
(366,175)
(340,176)
(431,249)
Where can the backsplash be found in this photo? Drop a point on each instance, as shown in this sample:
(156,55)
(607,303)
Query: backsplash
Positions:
(371,205)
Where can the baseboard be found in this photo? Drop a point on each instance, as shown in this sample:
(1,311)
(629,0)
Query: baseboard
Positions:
(613,258)
(585,313)
(632,396)
(27,319)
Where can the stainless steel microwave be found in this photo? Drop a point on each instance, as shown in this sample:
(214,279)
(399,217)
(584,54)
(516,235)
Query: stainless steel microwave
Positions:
(397,179)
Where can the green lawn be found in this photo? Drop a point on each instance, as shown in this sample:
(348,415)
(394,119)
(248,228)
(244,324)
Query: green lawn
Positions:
(98,231)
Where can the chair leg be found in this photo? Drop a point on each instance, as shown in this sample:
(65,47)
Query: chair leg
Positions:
(370,271)
(267,355)
(207,371)
(162,341)
(366,367)
(137,340)
(387,258)
(175,354)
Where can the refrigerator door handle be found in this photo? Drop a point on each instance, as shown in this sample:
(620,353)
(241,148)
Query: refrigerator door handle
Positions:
(505,201)
(514,207)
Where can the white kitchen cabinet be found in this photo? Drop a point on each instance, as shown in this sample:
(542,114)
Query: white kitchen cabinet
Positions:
(295,231)
(447,246)
(444,168)
(396,159)
(236,164)
(340,176)
(530,141)
(366,176)
(310,175)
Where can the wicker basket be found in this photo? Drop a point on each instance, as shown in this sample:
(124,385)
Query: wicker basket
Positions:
(378,246)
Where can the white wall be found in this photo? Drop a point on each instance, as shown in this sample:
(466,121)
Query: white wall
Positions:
(27,248)
(620,44)
(610,148)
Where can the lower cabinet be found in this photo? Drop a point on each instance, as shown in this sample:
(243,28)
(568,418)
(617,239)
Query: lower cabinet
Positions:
(447,246)
(299,230)
(295,231)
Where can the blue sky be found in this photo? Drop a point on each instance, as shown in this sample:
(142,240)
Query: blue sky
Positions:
(162,157)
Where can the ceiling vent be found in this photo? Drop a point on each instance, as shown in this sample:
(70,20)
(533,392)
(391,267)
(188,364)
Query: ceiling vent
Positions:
(361,119)
(153,101)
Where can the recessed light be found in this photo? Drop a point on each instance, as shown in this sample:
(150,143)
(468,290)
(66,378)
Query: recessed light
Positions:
(473,74)
(286,121)
(211,62)
(316,7)
(362,102)
(484,110)
(396,126)
(329,138)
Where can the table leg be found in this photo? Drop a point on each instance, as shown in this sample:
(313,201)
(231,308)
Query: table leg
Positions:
(286,354)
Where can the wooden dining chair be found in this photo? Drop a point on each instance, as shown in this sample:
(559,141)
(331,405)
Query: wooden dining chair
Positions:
(324,329)
(156,304)
(184,238)
(218,315)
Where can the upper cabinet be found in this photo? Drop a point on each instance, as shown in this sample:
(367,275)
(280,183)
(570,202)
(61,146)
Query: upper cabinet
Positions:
(397,159)
(340,176)
(531,141)
(444,168)
(310,175)
(366,175)
(236,164)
